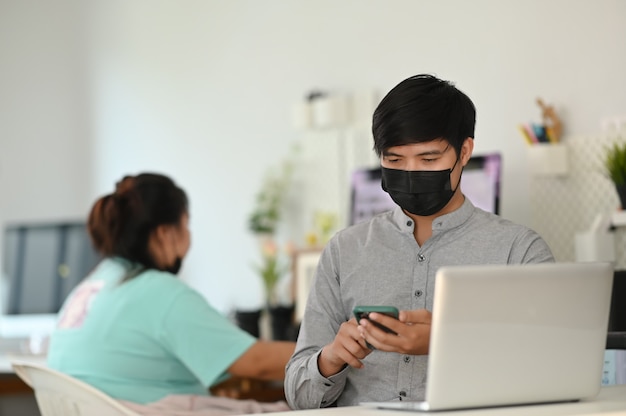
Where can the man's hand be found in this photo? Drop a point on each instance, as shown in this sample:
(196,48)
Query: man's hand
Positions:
(412,329)
(348,347)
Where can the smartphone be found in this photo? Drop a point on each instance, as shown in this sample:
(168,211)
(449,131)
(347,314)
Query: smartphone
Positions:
(362,312)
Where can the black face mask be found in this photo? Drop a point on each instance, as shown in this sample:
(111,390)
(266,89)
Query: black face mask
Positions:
(175,267)
(420,192)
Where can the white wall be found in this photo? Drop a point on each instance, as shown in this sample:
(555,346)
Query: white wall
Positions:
(45,165)
(202,91)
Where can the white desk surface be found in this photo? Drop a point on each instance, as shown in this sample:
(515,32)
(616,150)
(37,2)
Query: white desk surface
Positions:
(610,402)
(5,361)
(17,349)
(20,335)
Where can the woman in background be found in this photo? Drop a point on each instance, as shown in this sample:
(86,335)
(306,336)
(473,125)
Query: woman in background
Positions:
(132,328)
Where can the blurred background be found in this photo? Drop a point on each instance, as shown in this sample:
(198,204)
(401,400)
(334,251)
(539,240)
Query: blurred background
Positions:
(207,92)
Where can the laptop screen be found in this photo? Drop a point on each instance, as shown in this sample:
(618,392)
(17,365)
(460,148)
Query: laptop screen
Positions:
(480,182)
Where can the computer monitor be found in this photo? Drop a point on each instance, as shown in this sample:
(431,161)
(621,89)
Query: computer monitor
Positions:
(43,262)
(480,183)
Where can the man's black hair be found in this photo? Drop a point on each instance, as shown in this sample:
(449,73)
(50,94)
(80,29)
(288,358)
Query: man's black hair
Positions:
(423,108)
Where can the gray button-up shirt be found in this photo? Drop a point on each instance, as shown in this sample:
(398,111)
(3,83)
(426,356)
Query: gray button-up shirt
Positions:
(379,263)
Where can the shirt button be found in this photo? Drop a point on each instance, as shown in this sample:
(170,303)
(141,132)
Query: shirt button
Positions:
(409,223)
(418,293)
(402,393)
(421,258)
(407,359)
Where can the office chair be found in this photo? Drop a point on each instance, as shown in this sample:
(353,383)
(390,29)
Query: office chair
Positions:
(58,394)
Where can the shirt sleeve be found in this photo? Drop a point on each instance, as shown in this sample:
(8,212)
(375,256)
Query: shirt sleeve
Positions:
(529,247)
(202,338)
(305,386)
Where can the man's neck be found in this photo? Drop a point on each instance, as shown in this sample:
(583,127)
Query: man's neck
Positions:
(423,229)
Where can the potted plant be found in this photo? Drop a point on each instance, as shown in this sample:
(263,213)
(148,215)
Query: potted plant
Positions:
(615,163)
(271,269)
(263,222)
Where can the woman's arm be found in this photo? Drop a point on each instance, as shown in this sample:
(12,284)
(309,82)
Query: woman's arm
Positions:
(264,360)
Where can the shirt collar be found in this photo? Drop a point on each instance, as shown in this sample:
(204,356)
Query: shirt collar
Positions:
(444,222)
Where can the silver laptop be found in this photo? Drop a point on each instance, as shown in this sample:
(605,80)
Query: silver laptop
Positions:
(518,334)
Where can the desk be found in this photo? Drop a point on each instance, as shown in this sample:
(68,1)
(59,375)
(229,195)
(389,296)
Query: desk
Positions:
(610,402)
(10,383)
(5,361)
(16,397)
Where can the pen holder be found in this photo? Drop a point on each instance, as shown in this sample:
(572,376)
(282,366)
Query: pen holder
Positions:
(548,159)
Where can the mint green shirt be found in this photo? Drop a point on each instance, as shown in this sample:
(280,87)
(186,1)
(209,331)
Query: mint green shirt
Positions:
(145,338)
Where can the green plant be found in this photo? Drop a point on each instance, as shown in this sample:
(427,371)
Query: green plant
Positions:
(271,268)
(269,200)
(615,163)
(264,219)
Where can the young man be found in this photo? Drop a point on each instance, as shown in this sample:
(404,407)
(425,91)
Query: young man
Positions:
(423,133)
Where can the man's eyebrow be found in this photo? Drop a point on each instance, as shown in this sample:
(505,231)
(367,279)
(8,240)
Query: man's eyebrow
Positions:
(431,152)
(425,153)
(388,153)
(434,152)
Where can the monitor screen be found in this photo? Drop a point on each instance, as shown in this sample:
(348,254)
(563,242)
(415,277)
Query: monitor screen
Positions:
(43,262)
(480,183)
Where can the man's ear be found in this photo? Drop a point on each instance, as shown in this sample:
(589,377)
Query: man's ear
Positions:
(466,150)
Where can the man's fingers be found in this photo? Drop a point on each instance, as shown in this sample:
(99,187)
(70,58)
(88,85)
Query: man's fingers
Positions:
(386,321)
(419,316)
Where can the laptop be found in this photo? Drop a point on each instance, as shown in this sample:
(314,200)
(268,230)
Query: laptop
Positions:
(507,335)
